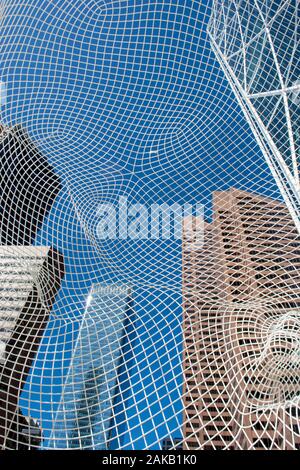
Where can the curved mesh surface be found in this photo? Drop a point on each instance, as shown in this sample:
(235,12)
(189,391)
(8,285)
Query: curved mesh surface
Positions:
(149,216)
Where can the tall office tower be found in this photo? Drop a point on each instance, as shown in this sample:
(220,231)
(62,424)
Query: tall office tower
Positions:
(257,45)
(241,294)
(28,187)
(30,278)
(92,410)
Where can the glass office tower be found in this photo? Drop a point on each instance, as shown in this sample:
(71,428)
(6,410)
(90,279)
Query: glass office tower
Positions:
(91,413)
(28,184)
(30,278)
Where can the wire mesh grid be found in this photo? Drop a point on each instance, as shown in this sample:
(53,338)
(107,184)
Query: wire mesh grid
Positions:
(150,248)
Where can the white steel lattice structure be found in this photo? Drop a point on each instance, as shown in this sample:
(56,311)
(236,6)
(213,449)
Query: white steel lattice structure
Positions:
(149,208)
(257,44)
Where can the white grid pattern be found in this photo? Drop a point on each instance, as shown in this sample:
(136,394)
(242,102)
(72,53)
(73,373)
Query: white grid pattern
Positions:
(160,101)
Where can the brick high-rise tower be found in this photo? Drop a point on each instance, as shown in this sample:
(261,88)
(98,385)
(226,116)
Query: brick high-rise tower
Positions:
(241,295)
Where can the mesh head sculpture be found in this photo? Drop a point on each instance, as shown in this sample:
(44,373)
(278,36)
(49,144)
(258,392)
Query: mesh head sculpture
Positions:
(149,246)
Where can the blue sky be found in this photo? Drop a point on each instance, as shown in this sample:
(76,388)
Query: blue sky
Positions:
(101,86)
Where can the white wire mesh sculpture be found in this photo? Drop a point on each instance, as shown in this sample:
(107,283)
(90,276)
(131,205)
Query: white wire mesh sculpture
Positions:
(115,331)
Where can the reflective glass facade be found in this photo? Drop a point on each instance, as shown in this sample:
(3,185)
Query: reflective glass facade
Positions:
(91,411)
